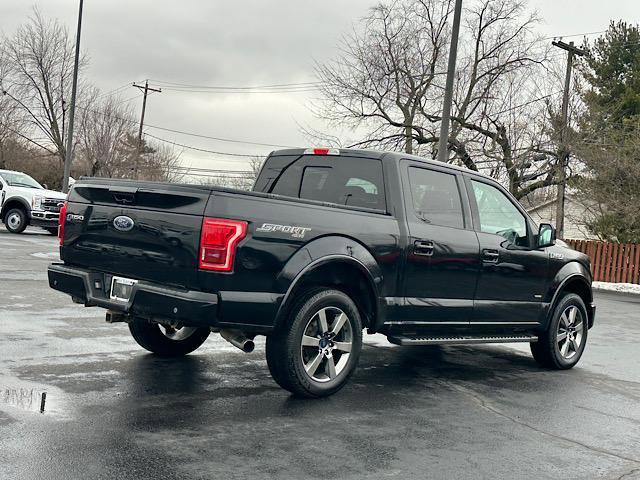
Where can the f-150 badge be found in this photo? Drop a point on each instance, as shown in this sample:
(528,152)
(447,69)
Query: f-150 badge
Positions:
(295,232)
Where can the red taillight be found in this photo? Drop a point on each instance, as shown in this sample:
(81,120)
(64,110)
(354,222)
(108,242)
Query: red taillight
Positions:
(61,220)
(218,243)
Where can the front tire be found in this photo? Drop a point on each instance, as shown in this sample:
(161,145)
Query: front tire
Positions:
(167,341)
(562,345)
(15,220)
(317,351)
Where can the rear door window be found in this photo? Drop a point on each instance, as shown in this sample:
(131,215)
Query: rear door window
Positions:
(352,181)
(436,198)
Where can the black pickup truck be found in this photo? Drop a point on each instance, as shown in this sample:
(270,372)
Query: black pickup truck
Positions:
(329,242)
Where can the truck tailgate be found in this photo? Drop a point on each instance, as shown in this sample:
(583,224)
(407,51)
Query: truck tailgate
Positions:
(144,231)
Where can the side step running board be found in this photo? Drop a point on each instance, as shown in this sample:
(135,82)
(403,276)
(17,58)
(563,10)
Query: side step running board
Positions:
(462,340)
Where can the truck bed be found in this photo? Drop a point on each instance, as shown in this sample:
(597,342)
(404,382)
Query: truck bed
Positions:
(163,245)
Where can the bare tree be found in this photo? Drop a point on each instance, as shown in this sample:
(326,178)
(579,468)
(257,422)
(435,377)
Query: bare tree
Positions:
(493,101)
(108,144)
(233,179)
(36,67)
(8,132)
(387,83)
(39,66)
(384,77)
(255,164)
(10,121)
(117,152)
(158,163)
(105,125)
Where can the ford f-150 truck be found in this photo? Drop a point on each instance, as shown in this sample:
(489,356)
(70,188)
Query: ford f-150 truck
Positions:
(23,202)
(328,243)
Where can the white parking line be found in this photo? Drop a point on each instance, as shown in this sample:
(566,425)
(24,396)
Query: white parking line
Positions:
(46,255)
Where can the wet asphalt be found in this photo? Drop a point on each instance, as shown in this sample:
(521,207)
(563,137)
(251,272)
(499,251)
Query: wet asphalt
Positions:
(113,411)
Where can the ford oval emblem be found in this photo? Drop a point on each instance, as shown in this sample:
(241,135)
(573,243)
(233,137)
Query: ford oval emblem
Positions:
(123,223)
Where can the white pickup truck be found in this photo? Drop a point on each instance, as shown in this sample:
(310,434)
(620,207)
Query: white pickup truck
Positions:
(23,202)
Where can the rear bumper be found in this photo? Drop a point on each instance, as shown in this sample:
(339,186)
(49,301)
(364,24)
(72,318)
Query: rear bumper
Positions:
(252,312)
(147,300)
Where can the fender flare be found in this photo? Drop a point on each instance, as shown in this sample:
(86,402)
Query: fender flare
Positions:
(320,252)
(10,200)
(572,271)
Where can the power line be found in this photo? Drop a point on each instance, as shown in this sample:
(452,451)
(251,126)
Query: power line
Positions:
(185,90)
(202,149)
(147,125)
(622,43)
(114,91)
(128,99)
(584,34)
(254,87)
(218,138)
(515,107)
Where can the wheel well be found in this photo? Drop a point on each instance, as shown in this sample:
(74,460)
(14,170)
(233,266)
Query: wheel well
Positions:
(342,276)
(580,288)
(13,204)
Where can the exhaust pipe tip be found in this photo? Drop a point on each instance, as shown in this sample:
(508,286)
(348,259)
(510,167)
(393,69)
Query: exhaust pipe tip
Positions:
(249,346)
(238,340)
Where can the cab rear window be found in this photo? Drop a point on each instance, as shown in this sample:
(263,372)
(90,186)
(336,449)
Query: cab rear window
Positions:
(351,181)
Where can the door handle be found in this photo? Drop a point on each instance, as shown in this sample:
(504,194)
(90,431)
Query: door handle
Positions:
(489,255)
(423,247)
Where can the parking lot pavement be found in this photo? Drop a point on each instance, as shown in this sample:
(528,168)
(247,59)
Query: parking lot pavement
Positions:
(113,411)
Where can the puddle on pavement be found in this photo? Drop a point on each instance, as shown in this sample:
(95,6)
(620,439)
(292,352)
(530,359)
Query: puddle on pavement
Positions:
(28,399)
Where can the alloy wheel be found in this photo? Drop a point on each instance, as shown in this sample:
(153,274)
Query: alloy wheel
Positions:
(326,344)
(570,334)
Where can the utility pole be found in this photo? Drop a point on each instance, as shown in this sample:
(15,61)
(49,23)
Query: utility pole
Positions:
(564,150)
(146,89)
(68,157)
(443,141)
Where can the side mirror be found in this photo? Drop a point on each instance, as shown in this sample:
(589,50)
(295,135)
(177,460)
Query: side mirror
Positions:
(546,235)
(46,187)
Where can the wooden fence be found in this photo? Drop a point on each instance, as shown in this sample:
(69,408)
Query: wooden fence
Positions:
(611,262)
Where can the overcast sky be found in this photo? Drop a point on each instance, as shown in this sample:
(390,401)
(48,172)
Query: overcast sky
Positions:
(240,43)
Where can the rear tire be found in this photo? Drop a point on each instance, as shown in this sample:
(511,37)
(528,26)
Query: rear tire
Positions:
(317,351)
(167,341)
(562,344)
(15,220)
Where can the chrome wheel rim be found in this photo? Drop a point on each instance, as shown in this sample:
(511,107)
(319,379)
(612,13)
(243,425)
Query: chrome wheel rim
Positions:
(14,221)
(570,333)
(176,334)
(326,344)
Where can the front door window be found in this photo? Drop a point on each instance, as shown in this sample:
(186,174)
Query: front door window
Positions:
(498,215)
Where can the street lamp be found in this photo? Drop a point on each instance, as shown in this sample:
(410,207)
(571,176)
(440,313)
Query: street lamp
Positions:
(68,156)
(443,141)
